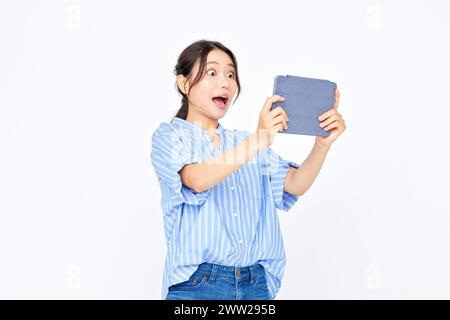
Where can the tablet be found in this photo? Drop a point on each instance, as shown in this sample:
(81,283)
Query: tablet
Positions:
(305,100)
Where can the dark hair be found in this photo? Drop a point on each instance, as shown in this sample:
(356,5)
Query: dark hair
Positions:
(185,64)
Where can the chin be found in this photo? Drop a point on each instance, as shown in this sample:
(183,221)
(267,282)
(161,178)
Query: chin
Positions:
(218,113)
(220,116)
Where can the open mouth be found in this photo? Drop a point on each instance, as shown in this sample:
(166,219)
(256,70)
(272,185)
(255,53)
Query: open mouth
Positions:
(220,101)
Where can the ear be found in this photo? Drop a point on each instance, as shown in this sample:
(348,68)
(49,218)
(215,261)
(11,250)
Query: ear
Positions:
(181,82)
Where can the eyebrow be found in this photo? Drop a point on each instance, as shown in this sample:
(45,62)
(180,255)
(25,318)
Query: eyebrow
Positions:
(230,64)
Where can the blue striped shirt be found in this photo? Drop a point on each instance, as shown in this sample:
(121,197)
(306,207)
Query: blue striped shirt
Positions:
(233,223)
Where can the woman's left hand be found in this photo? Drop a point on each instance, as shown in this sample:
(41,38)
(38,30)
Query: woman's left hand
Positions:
(331,121)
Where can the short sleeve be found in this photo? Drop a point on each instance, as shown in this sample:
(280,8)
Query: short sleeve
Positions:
(168,155)
(278,169)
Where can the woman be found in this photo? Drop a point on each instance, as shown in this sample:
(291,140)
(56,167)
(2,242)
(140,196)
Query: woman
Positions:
(221,188)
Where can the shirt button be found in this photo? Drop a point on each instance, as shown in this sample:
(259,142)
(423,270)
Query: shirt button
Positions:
(232,188)
(240,241)
(235,214)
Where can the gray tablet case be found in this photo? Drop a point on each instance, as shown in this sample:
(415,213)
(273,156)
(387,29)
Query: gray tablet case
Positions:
(305,100)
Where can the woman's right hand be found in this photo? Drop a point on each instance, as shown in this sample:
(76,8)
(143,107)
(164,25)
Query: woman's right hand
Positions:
(270,122)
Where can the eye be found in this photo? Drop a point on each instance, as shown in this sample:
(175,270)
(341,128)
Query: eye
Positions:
(232,73)
(210,70)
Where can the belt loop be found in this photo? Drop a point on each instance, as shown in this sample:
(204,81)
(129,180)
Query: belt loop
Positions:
(213,274)
(252,273)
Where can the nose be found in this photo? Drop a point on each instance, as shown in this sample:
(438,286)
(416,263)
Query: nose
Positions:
(223,81)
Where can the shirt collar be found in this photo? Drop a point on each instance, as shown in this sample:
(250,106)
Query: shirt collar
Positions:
(185,123)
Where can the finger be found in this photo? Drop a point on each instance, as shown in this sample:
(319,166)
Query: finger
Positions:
(337,96)
(277,111)
(279,119)
(332,125)
(270,101)
(277,128)
(327,114)
(271,109)
(331,119)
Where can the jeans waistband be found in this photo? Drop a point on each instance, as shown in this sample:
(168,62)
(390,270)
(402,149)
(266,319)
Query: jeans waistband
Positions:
(232,272)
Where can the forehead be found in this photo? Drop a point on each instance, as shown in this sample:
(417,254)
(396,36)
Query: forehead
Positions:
(218,57)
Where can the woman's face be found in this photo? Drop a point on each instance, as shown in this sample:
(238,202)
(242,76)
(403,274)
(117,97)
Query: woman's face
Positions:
(218,80)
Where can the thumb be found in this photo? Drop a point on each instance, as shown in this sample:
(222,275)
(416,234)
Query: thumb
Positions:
(337,96)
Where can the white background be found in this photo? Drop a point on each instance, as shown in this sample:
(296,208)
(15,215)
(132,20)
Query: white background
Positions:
(83,85)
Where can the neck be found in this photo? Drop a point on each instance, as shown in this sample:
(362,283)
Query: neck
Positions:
(201,121)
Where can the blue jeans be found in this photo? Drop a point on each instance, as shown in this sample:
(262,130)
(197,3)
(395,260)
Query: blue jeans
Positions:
(217,282)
